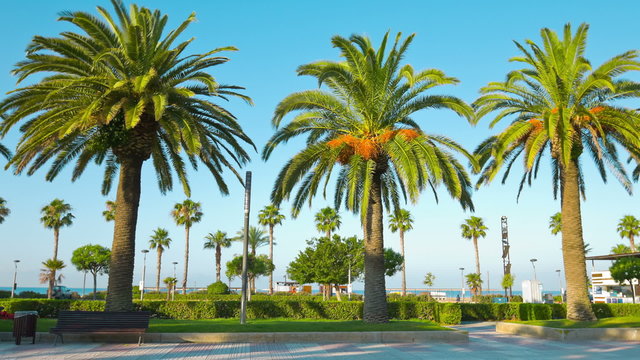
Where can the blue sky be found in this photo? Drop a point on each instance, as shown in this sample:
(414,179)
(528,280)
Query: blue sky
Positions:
(467,39)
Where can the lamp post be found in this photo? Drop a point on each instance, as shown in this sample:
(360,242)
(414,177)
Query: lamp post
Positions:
(349,286)
(462,284)
(144,270)
(533,263)
(560,283)
(173,288)
(15,274)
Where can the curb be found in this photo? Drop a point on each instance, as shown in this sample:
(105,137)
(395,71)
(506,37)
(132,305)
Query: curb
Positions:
(543,332)
(454,336)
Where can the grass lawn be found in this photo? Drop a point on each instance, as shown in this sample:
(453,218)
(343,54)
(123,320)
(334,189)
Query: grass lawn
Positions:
(266,325)
(612,322)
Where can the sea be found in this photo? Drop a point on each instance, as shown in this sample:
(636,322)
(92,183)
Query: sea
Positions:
(449,293)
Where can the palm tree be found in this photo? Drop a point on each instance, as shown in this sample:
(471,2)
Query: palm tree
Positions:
(507,282)
(170,282)
(364,124)
(269,216)
(474,282)
(48,274)
(620,249)
(110,213)
(55,215)
(401,221)
(186,214)
(4,210)
(328,221)
(472,229)
(555,223)
(629,227)
(257,238)
(160,241)
(563,106)
(217,241)
(123,92)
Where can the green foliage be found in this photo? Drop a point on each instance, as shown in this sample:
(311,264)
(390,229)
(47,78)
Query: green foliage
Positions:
(625,269)
(620,249)
(327,220)
(474,282)
(256,266)
(257,238)
(56,214)
(507,281)
(555,223)
(515,299)
(5,294)
(4,210)
(429,278)
(30,295)
(218,288)
(392,262)
(92,258)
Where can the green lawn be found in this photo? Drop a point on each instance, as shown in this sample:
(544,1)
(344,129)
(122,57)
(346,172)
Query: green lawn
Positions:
(612,322)
(267,325)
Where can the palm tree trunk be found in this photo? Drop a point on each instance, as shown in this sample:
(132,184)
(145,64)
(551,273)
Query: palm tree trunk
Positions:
(218,261)
(271,258)
(56,235)
(475,246)
(632,243)
(375,300)
(328,234)
(404,270)
(119,292)
(578,304)
(159,265)
(186,260)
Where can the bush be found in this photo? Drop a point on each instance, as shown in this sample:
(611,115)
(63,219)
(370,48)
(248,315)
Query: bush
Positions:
(218,288)
(616,310)
(31,295)
(484,299)
(515,299)
(5,294)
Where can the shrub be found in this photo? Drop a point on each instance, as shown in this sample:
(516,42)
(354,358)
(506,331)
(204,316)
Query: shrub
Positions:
(5,294)
(515,299)
(31,295)
(217,288)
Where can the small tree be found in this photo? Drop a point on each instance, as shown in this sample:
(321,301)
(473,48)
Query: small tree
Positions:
(474,281)
(94,259)
(626,269)
(170,282)
(629,227)
(555,223)
(507,282)
(256,266)
(48,274)
(429,278)
(110,213)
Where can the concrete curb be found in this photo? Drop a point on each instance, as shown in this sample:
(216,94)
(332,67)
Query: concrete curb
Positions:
(454,336)
(543,332)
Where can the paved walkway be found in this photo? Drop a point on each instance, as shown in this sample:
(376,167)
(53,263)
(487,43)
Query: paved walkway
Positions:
(484,343)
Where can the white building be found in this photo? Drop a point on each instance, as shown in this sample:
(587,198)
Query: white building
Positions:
(607,290)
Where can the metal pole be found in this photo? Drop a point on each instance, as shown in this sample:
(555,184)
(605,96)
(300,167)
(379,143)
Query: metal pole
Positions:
(245,247)
(349,288)
(535,278)
(560,283)
(144,270)
(15,274)
(173,287)
(462,284)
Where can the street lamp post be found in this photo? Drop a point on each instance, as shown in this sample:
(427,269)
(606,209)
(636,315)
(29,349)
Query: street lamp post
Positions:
(173,288)
(144,270)
(560,283)
(15,275)
(349,286)
(462,284)
(533,263)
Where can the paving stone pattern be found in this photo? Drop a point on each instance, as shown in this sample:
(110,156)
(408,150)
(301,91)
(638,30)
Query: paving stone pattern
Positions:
(484,343)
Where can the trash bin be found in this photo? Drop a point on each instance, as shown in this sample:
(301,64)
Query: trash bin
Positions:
(24,324)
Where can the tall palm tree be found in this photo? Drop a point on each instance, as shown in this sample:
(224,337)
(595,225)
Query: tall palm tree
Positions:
(270,216)
(565,107)
(186,214)
(48,274)
(555,223)
(160,241)
(110,213)
(328,221)
(56,215)
(401,222)
(4,210)
(629,227)
(472,229)
(217,241)
(363,123)
(118,92)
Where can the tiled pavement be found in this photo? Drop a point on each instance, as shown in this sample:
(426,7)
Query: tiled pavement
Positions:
(484,343)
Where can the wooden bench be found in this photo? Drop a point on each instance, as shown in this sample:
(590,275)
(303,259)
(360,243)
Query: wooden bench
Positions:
(101,322)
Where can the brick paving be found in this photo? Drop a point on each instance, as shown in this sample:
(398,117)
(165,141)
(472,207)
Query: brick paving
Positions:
(484,343)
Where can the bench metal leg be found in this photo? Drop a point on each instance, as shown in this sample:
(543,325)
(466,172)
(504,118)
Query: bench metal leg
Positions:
(140,340)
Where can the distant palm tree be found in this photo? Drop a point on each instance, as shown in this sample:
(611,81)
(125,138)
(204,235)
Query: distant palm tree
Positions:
(257,238)
(110,213)
(48,274)
(56,215)
(269,216)
(170,282)
(217,241)
(507,282)
(328,221)
(472,229)
(160,241)
(401,221)
(4,210)
(474,281)
(620,249)
(629,227)
(186,214)
(555,223)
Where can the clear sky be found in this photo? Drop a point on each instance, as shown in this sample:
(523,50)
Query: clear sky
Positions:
(470,40)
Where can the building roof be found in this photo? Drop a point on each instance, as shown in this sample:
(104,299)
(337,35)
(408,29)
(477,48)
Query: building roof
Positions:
(613,256)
